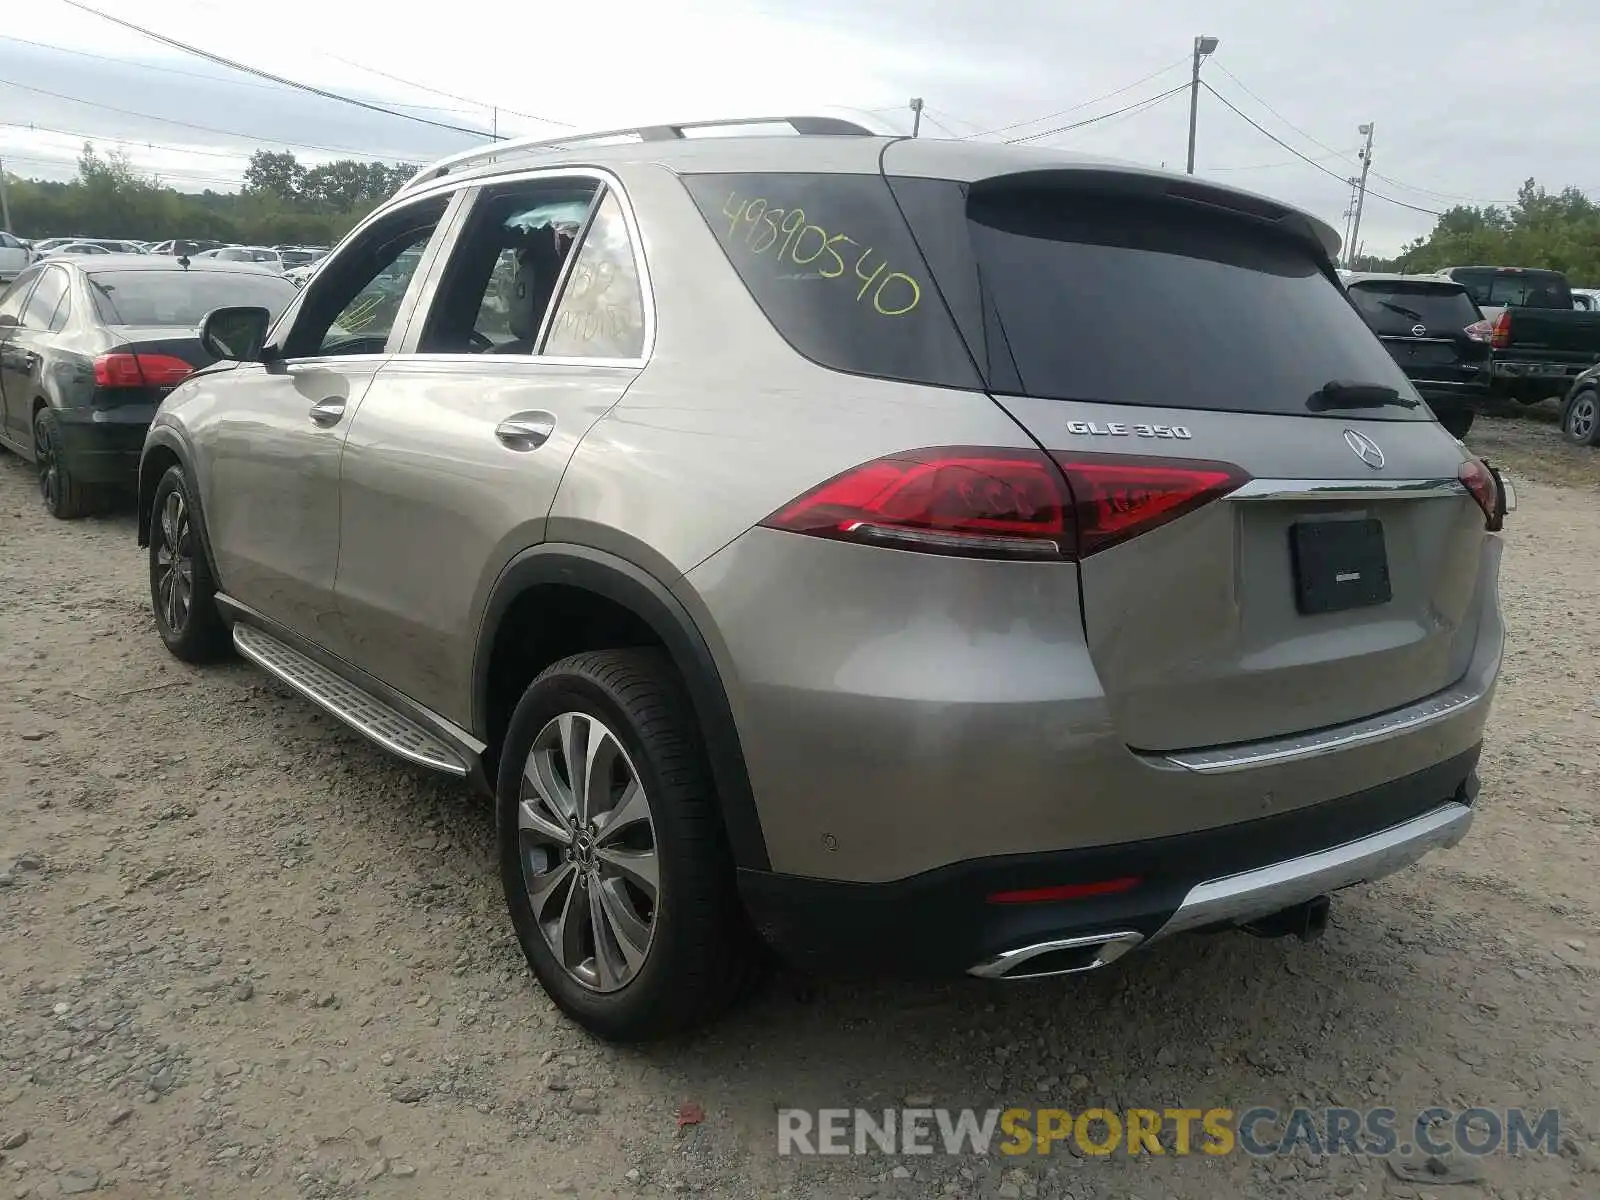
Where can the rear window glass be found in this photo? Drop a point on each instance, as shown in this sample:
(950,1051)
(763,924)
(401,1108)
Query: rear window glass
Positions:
(183,297)
(1516,289)
(831,263)
(1397,308)
(1155,302)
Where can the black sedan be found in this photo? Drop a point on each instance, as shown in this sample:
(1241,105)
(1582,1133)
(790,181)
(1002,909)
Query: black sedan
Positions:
(90,346)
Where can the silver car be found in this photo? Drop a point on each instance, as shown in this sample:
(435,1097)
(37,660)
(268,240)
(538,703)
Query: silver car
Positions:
(911,555)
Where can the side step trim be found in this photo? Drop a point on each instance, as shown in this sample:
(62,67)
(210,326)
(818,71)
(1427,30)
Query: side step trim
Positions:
(367,715)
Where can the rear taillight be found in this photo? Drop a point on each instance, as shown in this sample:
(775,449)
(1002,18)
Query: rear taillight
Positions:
(1004,503)
(1479,479)
(1117,498)
(1500,335)
(1480,331)
(124,370)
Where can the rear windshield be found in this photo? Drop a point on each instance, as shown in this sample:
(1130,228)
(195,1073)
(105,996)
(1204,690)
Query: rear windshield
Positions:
(1397,308)
(1516,289)
(182,297)
(1131,300)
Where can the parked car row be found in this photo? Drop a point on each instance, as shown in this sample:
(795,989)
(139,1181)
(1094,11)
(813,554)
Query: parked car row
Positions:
(89,347)
(862,546)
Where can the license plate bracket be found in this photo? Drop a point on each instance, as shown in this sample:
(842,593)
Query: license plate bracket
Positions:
(1338,565)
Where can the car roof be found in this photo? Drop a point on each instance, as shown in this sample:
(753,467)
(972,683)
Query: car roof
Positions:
(168,262)
(933,158)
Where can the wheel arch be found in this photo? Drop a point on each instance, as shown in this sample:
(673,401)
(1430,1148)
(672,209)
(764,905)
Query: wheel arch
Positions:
(164,448)
(623,584)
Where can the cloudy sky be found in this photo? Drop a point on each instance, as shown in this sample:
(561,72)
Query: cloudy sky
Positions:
(1466,103)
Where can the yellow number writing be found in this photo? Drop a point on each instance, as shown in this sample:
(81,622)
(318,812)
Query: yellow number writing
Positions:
(770,221)
(792,225)
(916,296)
(869,279)
(735,214)
(839,268)
(822,244)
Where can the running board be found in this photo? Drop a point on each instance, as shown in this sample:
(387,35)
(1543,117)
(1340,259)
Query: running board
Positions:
(368,716)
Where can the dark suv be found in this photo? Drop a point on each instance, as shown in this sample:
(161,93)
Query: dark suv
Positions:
(1436,333)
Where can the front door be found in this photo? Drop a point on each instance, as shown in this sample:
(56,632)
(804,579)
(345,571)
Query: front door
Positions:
(272,443)
(536,328)
(16,373)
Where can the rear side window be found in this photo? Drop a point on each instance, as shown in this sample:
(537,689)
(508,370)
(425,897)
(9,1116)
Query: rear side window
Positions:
(1079,295)
(831,263)
(1396,308)
(42,304)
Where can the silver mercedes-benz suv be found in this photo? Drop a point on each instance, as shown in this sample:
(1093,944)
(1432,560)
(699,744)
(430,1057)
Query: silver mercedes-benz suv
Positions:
(911,555)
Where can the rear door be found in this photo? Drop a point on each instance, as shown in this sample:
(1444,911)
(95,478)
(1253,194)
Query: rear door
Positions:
(23,352)
(530,331)
(1313,559)
(15,401)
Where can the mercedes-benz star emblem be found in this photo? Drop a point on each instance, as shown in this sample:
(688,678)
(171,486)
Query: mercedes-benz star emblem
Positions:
(1366,449)
(1419,331)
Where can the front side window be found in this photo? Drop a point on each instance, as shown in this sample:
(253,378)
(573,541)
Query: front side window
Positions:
(601,311)
(42,304)
(351,305)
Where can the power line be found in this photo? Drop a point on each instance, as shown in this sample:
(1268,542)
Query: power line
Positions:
(123,141)
(1351,158)
(421,87)
(290,83)
(1084,104)
(166,70)
(1147,102)
(363,155)
(1307,159)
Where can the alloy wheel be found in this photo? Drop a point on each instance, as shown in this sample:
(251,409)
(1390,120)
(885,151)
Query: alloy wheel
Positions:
(588,852)
(44,450)
(1581,417)
(175,563)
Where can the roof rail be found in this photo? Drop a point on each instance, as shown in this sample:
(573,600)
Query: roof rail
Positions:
(837,122)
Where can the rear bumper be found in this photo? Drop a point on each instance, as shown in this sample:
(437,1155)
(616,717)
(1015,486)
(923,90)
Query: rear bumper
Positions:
(942,923)
(102,445)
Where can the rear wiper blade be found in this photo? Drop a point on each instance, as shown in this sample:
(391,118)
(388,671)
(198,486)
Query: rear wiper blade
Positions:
(1401,309)
(1339,394)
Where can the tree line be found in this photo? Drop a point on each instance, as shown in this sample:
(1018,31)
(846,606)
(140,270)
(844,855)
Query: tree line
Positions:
(281,201)
(1557,231)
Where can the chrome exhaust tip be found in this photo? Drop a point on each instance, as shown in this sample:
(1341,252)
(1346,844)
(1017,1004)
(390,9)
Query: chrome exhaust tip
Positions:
(1059,956)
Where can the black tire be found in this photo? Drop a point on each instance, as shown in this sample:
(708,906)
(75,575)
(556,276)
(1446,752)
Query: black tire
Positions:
(190,624)
(1580,418)
(1457,422)
(701,954)
(64,497)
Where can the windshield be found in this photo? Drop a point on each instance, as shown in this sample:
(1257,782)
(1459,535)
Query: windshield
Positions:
(1395,308)
(182,297)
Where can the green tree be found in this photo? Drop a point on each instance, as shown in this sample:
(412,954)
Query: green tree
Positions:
(1557,231)
(276,174)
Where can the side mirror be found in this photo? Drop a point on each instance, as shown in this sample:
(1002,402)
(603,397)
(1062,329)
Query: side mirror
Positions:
(235,333)
(7,321)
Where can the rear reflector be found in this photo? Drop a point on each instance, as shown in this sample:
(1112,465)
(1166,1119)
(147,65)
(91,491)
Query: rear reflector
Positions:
(1067,891)
(986,502)
(125,370)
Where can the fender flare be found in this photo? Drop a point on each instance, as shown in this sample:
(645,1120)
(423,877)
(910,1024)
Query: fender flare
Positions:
(632,587)
(168,437)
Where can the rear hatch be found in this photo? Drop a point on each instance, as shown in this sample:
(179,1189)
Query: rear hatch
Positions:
(1149,329)
(1432,329)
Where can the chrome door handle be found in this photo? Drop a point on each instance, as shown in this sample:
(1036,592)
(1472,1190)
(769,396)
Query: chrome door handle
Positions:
(526,431)
(327,412)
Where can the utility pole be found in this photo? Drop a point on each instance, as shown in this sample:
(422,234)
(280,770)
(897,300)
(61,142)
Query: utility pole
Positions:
(1349,212)
(494,123)
(916,116)
(5,199)
(1202,47)
(1361,192)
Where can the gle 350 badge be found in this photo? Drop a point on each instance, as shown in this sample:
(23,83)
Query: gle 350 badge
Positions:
(1122,429)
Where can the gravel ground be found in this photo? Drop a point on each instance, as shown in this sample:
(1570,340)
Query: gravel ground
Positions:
(244,954)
